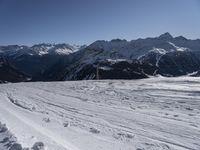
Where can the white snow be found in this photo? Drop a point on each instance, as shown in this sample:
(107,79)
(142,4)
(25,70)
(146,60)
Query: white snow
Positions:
(42,53)
(150,114)
(63,51)
(193,73)
(41,49)
(105,68)
(159,50)
(181,49)
(113,61)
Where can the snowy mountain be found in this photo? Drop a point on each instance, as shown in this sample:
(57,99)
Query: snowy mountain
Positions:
(164,55)
(134,49)
(35,60)
(39,49)
(168,56)
(148,114)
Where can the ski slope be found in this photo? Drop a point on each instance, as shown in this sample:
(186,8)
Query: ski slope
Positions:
(149,114)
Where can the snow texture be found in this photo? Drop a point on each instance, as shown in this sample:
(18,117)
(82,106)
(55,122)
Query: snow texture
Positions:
(149,114)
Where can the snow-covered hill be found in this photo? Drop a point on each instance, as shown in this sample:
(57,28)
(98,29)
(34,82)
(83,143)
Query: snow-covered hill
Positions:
(149,114)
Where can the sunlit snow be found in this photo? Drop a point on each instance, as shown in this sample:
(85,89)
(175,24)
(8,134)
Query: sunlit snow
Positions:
(150,114)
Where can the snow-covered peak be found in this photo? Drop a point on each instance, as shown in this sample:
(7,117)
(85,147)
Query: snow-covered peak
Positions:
(64,49)
(40,49)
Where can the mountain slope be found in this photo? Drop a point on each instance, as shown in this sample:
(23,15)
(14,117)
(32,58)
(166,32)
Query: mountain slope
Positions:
(8,73)
(164,55)
(37,59)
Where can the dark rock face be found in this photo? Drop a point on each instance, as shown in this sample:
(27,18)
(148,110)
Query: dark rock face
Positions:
(7,140)
(178,63)
(122,69)
(36,66)
(125,70)
(8,73)
(16,147)
(173,63)
(38,146)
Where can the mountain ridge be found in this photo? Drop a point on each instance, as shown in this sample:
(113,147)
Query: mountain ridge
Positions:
(165,54)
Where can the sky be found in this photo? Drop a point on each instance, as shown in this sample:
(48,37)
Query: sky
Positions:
(28,22)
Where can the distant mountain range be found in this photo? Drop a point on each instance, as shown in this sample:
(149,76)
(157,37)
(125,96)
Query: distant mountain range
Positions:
(116,59)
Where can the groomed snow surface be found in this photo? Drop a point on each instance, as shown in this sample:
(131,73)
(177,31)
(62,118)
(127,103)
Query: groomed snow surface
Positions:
(150,114)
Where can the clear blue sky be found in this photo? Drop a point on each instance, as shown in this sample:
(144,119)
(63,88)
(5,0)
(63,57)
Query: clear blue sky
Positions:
(84,21)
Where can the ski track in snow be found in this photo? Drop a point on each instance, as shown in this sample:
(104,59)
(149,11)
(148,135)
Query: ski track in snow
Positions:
(149,114)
